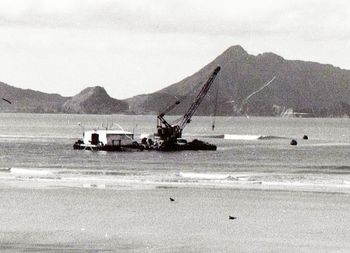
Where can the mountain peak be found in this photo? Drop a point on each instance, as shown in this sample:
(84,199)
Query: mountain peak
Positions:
(94,100)
(236,50)
(233,53)
(98,90)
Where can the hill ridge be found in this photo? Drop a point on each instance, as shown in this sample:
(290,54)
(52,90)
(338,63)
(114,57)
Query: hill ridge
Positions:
(314,89)
(319,90)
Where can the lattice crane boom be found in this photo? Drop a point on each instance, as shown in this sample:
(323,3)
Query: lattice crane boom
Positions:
(168,132)
(194,106)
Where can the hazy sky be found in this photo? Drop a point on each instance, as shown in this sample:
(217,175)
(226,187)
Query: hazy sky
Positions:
(139,46)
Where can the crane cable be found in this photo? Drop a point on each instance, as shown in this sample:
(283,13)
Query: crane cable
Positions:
(215,109)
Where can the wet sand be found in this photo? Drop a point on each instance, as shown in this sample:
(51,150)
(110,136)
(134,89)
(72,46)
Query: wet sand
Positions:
(106,220)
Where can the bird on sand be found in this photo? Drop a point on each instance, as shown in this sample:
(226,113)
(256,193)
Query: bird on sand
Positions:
(171,199)
(232,217)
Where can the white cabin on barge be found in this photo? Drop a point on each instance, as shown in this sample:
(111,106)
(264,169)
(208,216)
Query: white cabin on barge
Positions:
(108,137)
(107,140)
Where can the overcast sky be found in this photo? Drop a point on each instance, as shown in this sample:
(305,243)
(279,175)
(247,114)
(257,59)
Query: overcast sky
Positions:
(132,47)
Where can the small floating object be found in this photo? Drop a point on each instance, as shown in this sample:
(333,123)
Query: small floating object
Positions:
(293,142)
(171,199)
(232,217)
(305,137)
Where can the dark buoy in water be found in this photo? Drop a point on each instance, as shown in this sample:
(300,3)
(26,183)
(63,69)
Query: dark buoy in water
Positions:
(232,217)
(293,142)
(305,137)
(171,199)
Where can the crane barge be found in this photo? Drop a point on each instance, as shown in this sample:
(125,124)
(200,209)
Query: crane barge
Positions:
(167,138)
(170,135)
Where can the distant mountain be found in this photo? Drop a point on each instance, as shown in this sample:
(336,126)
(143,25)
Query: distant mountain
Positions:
(94,100)
(29,100)
(305,87)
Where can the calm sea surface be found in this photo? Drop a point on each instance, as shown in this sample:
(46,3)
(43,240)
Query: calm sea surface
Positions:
(37,150)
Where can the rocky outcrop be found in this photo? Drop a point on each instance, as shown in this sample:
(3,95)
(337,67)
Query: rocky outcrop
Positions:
(94,100)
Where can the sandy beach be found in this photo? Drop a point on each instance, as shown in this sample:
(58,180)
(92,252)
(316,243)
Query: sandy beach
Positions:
(103,220)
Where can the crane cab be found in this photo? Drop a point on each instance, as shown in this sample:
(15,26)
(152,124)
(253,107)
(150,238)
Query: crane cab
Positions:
(169,133)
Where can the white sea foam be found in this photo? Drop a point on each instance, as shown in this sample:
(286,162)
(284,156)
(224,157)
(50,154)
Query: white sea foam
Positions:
(214,176)
(30,172)
(37,137)
(328,144)
(47,177)
(179,180)
(308,185)
(207,176)
(242,137)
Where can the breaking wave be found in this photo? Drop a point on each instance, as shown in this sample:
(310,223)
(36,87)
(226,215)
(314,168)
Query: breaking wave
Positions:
(216,177)
(243,137)
(109,179)
(246,137)
(36,137)
(30,172)
(206,176)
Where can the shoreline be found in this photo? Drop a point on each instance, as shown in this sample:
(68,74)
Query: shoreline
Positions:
(125,184)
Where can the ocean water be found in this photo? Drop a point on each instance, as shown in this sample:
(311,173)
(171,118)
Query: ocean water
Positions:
(37,151)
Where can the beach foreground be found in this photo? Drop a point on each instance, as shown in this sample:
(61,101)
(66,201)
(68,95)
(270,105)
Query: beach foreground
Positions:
(104,220)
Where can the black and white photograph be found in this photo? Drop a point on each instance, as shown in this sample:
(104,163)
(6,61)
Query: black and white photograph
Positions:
(174,126)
